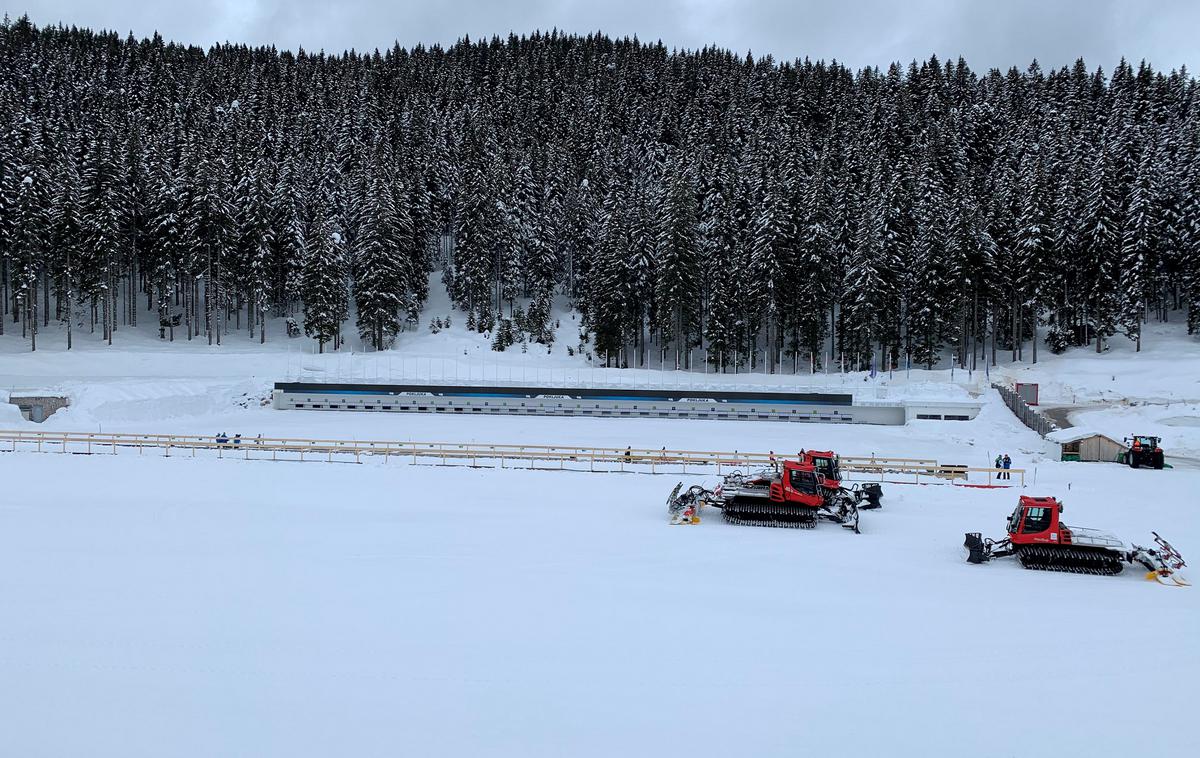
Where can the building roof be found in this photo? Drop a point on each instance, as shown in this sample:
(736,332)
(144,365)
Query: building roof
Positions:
(1076,433)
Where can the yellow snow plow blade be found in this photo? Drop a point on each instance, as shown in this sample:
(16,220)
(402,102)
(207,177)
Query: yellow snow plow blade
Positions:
(1169,579)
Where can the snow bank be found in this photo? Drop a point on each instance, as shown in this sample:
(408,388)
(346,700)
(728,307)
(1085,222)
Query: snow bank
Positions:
(10,415)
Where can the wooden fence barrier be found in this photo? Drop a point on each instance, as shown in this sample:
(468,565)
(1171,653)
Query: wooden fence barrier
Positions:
(559,457)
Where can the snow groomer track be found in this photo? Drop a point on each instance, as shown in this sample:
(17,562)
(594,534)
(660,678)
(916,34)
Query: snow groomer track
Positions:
(679,402)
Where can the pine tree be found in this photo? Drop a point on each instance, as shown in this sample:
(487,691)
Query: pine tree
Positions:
(1140,241)
(254,246)
(927,285)
(66,240)
(812,264)
(103,230)
(865,285)
(323,287)
(28,243)
(1100,232)
(211,227)
(716,244)
(477,244)
(287,238)
(772,254)
(607,286)
(1031,243)
(168,248)
(380,286)
(676,288)
(1189,239)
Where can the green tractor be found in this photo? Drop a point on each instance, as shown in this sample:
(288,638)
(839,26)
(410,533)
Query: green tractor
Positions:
(1143,451)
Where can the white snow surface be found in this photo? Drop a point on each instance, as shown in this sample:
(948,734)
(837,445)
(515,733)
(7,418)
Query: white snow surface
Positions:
(153,606)
(158,606)
(1165,371)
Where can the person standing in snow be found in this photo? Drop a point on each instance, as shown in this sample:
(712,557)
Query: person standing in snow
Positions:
(999,465)
(1007,466)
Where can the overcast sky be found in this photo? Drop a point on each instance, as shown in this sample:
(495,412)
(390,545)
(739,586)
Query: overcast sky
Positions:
(858,32)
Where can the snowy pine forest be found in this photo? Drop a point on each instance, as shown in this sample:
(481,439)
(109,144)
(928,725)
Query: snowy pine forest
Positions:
(692,205)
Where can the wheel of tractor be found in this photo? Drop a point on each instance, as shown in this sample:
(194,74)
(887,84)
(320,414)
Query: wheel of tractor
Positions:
(1158,460)
(1133,461)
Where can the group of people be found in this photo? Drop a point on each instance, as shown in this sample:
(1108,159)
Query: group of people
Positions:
(1003,462)
(224,439)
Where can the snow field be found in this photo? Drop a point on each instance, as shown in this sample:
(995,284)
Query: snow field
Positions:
(160,606)
(181,607)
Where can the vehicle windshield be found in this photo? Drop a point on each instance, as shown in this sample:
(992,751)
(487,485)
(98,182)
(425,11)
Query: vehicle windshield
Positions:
(1014,520)
(803,481)
(826,467)
(1036,520)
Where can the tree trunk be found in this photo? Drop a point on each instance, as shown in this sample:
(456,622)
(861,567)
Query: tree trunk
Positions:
(3,292)
(45,298)
(133,284)
(1035,333)
(208,296)
(31,317)
(995,326)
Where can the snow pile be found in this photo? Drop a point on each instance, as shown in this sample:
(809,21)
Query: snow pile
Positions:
(151,404)
(10,415)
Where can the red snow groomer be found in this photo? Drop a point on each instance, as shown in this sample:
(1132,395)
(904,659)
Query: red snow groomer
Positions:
(797,495)
(1040,541)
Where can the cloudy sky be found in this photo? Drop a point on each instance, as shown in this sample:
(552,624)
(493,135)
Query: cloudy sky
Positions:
(858,32)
